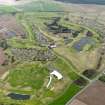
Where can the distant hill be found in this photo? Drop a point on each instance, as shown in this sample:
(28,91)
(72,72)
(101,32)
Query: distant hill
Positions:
(7,9)
(40,5)
(32,6)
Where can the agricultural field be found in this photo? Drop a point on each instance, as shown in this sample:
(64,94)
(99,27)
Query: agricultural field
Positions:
(45,59)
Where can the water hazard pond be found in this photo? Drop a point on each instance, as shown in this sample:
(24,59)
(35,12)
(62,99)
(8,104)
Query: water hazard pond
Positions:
(79,45)
(18,96)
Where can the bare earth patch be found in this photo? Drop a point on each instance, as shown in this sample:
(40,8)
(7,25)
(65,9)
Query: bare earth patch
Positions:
(10,27)
(2,56)
(77,102)
(93,95)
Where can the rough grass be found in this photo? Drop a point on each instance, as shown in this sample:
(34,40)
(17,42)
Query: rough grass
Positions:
(72,90)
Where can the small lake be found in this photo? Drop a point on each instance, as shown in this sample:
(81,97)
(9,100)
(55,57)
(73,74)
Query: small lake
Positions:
(79,45)
(10,34)
(18,96)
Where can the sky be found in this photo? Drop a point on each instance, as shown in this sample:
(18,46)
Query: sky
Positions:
(10,2)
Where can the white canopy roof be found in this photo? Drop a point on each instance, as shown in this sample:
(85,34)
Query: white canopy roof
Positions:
(57,74)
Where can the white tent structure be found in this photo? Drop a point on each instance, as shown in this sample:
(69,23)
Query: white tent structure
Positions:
(7,2)
(56,74)
(49,81)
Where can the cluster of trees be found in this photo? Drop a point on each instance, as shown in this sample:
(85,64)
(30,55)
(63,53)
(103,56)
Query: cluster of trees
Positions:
(33,54)
(42,40)
(57,28)
(102,78)
(3,44)
(89,73)
(80,81)
(9,104)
